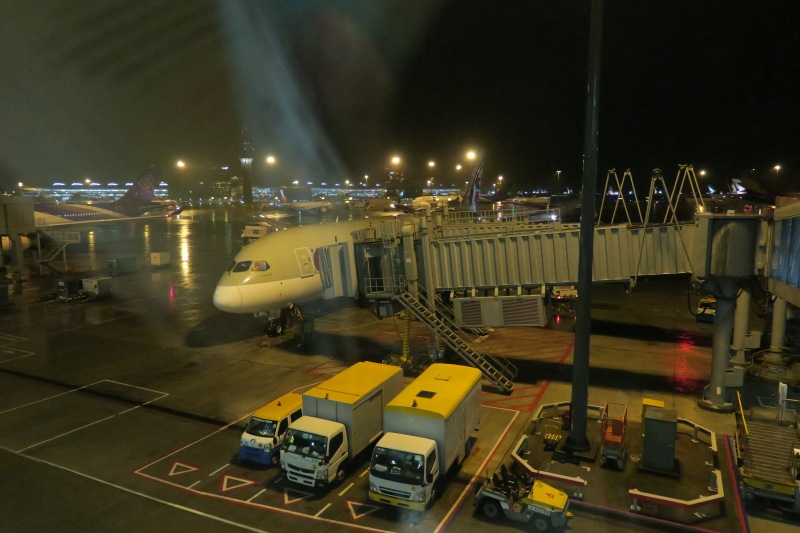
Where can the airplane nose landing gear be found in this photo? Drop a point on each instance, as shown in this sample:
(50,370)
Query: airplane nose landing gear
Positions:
(286,319)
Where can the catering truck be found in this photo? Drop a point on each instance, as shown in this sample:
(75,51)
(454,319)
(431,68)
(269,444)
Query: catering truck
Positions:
(341,417)
(428,430)
(261,440)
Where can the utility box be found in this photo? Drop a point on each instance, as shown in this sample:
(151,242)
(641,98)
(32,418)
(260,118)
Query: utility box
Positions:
(255,231)
(98,287)
(68,288)
(121,265)
(159,258)
(660,435)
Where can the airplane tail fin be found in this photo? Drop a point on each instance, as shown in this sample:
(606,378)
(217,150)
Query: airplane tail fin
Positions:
(283,197)
(140,195)
(502,192)
(469,201)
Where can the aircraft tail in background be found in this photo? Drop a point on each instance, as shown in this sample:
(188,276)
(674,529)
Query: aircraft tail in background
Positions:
(140,196)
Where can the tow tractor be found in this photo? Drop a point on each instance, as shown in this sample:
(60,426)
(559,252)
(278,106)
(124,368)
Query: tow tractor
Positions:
(504,493)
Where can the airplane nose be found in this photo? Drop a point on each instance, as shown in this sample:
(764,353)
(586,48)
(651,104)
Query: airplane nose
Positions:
(228,299)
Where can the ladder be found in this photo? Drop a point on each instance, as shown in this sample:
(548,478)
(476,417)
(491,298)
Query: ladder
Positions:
(496,368)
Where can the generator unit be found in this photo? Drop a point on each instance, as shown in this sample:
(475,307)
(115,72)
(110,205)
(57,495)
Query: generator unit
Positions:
(97,287)
(68,288)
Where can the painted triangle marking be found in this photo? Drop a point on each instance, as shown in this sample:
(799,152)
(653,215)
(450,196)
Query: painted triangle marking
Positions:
(181,468)
(302,495)
(361,506)
(232,482)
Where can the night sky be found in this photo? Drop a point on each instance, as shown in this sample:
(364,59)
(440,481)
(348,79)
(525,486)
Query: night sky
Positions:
(103,88)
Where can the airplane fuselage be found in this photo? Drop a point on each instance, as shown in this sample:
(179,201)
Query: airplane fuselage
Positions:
(280,268)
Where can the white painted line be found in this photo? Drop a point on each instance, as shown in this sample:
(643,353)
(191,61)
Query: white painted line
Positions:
(321,511)
(256,495)
(163,395)
(278,480)
(47,398)
(347,488)
(194,484)
(364,473)
(141,494)
(136,387)
(15,358)
(478,473)
(220,469)
(66,433)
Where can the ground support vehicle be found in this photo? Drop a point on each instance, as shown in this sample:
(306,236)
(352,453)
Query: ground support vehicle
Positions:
(613,447)
(341,418)
(543,505)
(768,455)
(262,439)
(429,428)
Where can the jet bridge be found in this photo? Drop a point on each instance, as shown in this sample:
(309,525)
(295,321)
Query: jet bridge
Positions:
(495,268)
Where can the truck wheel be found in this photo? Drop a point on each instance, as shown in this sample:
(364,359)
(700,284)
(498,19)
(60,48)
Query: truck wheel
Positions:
(541,524)
(275,459)
(490,508)
(339,476)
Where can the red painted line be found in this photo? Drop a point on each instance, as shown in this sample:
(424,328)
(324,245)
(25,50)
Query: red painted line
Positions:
(742,517)
(257,505)
(469,489)
(680,504)
(644,518)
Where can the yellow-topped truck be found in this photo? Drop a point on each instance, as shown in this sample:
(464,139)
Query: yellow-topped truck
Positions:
(429,428)
(342,416)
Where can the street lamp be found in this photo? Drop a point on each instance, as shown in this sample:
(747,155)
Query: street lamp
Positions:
(777,175)
(470,155)
(270,159)
(558,179)
(366,181)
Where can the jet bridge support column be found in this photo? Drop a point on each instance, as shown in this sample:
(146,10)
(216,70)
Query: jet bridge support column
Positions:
(715,395)
(740,325)
(778,332)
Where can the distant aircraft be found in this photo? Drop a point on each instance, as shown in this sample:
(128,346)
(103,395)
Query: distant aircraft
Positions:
(275,273)
(320,206)
(137,201)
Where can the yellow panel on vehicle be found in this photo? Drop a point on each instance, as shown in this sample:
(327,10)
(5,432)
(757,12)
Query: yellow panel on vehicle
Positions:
(544,495)
(280,408)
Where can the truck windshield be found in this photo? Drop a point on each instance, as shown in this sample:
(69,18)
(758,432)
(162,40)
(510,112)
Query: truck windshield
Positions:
(261,428)
(394,465)
(307,444)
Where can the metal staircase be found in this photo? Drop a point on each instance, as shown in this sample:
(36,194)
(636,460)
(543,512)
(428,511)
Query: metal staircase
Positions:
(495,367)
(55,243)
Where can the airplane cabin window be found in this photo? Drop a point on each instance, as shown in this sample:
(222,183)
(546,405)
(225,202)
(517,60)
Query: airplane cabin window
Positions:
(242,266)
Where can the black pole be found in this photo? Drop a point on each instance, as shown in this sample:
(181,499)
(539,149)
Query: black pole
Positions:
(580,368)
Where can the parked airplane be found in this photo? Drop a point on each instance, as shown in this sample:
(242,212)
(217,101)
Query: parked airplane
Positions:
(280,270)
(137,201)
(302,206)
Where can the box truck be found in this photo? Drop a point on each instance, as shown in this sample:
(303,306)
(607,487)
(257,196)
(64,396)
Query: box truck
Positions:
(428,429)
(261,440)
(341,417)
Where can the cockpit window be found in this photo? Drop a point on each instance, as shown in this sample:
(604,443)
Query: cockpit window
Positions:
(260,266)
(242,266)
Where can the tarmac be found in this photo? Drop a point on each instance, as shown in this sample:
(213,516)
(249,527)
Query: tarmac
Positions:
(124,413)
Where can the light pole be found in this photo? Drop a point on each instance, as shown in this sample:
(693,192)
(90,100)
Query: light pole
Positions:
(558,179)
(777,177)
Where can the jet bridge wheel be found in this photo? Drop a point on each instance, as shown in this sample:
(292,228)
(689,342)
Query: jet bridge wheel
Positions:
(490,508)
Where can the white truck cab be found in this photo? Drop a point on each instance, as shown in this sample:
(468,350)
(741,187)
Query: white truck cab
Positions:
(316,451)
(403,471)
